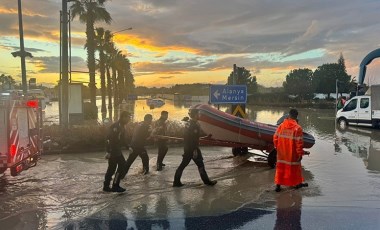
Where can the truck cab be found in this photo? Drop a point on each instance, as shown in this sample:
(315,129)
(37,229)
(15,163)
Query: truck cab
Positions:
(361,110)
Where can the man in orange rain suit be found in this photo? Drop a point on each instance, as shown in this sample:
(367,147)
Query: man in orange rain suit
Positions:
(288,141)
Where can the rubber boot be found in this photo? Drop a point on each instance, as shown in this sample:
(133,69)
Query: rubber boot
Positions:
(106,187)
(206,180)
(301,185)
(177,179)
(159,167)
(145,171)
(117,188)
(211,182)
(145,162)
(115,185)
(162,150)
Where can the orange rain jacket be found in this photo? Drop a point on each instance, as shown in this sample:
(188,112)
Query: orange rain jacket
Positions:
(288,141)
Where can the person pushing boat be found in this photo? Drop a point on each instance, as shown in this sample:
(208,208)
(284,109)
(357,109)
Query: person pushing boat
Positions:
(191,151)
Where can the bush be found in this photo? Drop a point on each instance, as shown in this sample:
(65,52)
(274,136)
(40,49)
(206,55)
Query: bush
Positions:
(91,137)
(76,138)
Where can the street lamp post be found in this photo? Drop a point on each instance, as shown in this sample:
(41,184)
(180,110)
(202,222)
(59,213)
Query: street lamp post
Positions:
(22,54)
(130,28)
(22,49)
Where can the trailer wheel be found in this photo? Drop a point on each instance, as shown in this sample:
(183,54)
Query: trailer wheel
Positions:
(272,158)
(239,151)
(243,151)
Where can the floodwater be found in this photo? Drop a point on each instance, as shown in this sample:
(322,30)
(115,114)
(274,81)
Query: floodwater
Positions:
(343,172)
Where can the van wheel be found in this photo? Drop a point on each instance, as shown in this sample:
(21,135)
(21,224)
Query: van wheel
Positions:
(342,124)
(375,124)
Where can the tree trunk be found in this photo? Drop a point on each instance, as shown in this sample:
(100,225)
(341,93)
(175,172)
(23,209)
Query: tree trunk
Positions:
(91,66)
(103,83)
(109,92)
(126,88)
(120,83)
(115,91)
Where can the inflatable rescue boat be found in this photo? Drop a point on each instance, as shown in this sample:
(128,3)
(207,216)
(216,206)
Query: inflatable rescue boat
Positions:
(229,130)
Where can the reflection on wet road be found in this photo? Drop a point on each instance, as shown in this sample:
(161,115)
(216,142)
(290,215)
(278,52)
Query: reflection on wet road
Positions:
(343,171)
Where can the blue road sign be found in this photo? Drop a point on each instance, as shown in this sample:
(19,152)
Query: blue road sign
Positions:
(228,94)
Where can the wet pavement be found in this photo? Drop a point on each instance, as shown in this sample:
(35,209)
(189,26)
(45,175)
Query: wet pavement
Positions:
(343,172)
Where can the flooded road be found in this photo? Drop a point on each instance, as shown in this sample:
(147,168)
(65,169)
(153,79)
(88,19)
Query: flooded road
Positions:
(343,172)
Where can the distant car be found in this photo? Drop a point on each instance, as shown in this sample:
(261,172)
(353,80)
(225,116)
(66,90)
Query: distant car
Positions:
(156,103)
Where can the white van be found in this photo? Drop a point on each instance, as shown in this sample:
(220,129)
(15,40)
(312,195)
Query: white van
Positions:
(361,110)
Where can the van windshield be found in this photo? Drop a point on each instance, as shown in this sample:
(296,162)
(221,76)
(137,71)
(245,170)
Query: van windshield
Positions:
(351,105)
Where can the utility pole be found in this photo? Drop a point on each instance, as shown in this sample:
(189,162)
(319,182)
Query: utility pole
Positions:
(65,71)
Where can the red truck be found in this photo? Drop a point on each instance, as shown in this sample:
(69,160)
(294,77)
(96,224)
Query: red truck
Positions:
(20,133)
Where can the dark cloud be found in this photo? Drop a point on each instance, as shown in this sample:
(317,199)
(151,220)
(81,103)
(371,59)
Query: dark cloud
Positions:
(222,27)
(51,64)
(157,67)
(171,60)
(161,3)
(167,77)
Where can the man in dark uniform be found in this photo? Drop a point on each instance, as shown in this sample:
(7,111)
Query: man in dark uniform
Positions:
(140,135)
(116,139)
(192,151)
(160,129)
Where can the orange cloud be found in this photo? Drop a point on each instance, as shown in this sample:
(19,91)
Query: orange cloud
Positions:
(148,44)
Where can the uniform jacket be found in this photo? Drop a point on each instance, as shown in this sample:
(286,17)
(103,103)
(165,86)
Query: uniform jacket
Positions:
(191,135)
(288,141)
(140,135)
(116,138)
(160,129)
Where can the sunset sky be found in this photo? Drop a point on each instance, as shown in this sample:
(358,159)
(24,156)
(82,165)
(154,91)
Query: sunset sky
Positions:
(198,41)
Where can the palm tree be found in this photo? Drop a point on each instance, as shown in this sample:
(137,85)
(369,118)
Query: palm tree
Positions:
(109,49)
(90,12)
(120,76)
(115,53)
(102,39)
(128,77)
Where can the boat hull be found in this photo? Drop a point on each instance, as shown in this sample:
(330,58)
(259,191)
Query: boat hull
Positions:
(226,127)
